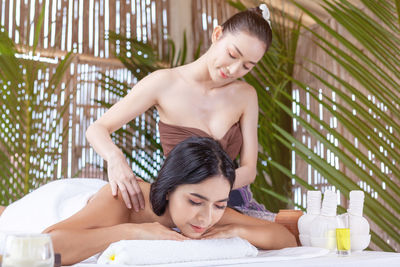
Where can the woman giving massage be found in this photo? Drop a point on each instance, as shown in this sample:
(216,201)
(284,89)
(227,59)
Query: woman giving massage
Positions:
(203,98)
(190,193)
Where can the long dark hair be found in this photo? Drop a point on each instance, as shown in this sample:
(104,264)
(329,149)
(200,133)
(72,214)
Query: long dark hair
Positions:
(190,162)
(251,21)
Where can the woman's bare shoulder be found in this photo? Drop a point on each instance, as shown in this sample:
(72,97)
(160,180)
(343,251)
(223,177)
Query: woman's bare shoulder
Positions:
(159,81)
(165,75)
(243,89)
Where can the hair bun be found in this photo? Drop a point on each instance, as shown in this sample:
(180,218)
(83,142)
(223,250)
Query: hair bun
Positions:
(265,13)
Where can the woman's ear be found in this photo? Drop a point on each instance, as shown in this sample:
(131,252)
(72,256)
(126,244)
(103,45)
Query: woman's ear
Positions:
(217,33)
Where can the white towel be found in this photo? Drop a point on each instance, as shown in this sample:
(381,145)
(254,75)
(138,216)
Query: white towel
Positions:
(47,205)
(132,252)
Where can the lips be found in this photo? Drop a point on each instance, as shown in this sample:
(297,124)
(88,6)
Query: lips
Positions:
(223,75)
(198,229)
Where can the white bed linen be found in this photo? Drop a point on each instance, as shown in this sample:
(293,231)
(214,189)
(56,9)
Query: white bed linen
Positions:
(296,257)
(47,205)
(263,256)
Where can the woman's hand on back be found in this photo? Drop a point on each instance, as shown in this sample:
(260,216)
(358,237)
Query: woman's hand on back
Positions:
(122,178)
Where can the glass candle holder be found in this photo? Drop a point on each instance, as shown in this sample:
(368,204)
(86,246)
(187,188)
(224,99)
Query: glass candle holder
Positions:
(28,250)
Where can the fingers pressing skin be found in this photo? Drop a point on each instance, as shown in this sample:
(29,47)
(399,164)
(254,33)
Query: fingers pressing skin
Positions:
(114,188)
(137,193)
(131,193)
(122,178)
(125,195)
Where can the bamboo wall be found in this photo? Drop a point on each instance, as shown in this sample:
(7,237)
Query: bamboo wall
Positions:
(206,15)
(82,26)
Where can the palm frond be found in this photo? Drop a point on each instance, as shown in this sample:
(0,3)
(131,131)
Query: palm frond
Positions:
(32,109)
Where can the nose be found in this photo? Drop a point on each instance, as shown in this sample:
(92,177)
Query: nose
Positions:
(204,216)
(233,68)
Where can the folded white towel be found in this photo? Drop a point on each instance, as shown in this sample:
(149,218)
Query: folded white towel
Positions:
(131,252)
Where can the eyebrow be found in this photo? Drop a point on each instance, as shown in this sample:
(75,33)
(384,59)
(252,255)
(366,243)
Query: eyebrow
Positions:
(240,53)
(203,197)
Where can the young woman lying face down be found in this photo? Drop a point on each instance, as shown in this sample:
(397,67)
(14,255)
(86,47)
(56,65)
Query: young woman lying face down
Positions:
(190,194)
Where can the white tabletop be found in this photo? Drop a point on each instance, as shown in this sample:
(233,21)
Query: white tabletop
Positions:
(272,259)
(363,259)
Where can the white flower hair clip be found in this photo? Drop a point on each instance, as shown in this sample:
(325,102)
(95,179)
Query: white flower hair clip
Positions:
(265,13)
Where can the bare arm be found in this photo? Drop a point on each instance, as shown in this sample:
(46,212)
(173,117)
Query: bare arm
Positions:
(246,173)
(144,95)
(103,221)
(260,233)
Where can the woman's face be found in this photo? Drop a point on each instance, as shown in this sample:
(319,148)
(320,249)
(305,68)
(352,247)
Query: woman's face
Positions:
(196,207)
(233,55)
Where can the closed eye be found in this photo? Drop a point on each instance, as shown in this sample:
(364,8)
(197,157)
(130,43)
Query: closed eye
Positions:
(245,67)
(220,207)
(194,203)
(231,55)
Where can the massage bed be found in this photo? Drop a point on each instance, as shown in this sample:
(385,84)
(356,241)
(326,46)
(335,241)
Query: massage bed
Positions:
(296,257)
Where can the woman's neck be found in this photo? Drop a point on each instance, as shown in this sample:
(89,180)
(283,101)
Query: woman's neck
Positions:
(197,72)
(147,215)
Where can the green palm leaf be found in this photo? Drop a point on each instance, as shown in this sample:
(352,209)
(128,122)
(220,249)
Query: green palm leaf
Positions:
(32,110)
(376,69)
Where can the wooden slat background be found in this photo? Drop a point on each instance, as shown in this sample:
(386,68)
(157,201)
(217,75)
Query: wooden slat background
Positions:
(81,26)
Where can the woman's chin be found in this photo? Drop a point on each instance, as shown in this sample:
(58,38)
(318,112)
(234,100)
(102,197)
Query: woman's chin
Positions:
(192,235)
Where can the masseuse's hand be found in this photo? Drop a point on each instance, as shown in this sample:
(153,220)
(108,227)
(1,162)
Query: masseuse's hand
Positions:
(157,231)
(122,178)
(222,231)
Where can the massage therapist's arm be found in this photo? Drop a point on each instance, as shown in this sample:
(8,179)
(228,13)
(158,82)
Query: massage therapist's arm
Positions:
(246,173)
(143,96)
(104,220)
(260,233)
